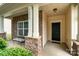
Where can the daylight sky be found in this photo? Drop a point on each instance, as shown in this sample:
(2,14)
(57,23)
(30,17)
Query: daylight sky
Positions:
(7,25)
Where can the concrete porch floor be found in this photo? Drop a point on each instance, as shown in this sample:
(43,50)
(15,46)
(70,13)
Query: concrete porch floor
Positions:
(50,49)
(53,49)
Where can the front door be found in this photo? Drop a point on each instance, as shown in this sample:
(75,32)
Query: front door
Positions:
(56,31)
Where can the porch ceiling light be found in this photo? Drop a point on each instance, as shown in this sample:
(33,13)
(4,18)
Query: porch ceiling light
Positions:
(55,10)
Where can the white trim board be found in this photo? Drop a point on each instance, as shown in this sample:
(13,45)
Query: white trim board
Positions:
(56,21)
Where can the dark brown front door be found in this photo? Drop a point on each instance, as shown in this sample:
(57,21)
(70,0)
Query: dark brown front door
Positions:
(56,31)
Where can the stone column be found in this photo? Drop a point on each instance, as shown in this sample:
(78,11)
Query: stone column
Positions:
(33,40)
(1,24)
(35,20)
(30,26)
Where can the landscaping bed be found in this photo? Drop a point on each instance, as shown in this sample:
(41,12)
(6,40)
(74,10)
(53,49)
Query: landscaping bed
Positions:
(15,52)
(12,51)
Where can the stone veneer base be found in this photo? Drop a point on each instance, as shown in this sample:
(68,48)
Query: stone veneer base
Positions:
(34,44)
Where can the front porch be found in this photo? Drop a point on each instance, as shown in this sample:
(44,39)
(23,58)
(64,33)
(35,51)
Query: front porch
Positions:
(33,24)
(54,49)
(50,49)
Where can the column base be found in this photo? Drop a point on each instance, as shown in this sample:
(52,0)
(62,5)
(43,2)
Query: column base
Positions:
(34,44)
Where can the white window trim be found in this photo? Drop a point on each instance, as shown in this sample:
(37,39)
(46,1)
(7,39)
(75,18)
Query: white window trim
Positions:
(21,28)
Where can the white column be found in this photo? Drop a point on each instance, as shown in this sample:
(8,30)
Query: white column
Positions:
(1,24)
(30,21)
(35,20)
(74,20)
(78,24)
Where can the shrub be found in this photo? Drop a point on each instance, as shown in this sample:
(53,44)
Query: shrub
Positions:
(15,52)
(3,43)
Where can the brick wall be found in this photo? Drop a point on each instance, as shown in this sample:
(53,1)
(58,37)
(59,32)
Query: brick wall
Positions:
(34,44)
(14,23)
(21,18)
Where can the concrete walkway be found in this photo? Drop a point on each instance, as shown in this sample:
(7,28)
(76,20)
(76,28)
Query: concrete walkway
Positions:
(15,44)
(54,49)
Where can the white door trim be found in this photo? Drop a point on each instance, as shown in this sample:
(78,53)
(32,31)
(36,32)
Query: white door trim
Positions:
(56,21)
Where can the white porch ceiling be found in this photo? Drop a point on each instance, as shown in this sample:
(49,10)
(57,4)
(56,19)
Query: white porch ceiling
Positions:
(11,8)
(14,9)
(62,7)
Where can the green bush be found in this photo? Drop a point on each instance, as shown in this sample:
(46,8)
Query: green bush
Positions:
(15,52)
(3,43)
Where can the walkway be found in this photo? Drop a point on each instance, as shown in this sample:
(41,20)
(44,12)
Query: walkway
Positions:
(54,49)
(15,44)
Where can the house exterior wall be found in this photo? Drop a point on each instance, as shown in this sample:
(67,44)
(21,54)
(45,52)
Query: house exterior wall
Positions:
(22,18)
(14,23)
(56,18)
(68,27)
(44,28)
(65,20)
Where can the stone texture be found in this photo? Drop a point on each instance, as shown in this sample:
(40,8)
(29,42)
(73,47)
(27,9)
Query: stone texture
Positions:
(34,44)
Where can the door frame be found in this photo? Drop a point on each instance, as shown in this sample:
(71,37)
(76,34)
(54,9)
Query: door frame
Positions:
(57,21)
(58,39)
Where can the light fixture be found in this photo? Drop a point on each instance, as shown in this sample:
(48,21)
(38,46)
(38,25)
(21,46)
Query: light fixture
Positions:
(55,10)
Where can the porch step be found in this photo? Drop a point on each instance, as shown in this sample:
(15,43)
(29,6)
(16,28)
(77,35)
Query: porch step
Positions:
(19,39)
(56,42)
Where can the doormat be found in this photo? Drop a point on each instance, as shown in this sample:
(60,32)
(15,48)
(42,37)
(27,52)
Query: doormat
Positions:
(56,42)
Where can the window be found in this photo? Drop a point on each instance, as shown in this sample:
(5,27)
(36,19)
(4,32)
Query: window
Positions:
(22,28)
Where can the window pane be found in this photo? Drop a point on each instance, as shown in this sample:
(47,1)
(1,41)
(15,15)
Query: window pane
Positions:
(20,31)
(20,25)
(25,24)
(25,32)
